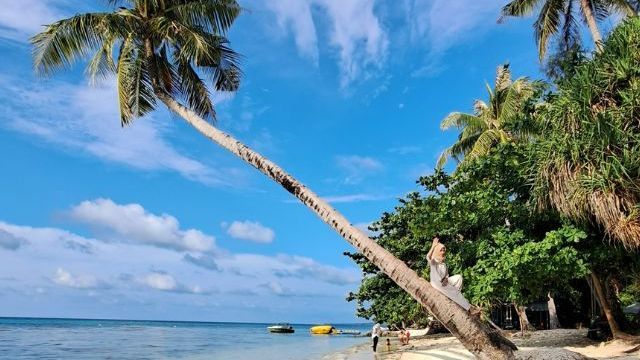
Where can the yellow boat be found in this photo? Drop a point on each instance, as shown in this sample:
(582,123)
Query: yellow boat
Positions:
(322,329)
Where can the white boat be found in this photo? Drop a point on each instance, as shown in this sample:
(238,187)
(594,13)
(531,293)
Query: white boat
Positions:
(282,328)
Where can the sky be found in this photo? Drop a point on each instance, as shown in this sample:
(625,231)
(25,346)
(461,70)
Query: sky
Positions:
(153,221)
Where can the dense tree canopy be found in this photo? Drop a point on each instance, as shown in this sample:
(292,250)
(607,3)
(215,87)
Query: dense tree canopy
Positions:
(587,164)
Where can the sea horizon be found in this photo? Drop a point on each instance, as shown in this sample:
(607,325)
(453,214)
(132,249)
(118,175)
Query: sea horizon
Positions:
(188,321)
(29,338)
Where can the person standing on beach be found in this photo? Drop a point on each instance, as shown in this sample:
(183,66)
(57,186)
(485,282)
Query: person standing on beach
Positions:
(376,332)
(451,286)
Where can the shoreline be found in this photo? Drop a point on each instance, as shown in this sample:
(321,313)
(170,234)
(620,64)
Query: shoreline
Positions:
(444,345)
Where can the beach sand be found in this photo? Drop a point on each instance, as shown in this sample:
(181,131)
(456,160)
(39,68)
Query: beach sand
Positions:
(445,346)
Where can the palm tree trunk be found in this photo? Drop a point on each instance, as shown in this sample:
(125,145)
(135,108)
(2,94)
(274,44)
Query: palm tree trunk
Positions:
(554,323)
(613,325)
(591,23)
(473,334)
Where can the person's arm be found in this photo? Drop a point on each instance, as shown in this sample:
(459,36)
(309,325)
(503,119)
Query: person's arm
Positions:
(433,247)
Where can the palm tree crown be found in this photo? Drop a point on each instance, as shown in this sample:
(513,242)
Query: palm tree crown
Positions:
(152,46)
(491,123)
(561,18)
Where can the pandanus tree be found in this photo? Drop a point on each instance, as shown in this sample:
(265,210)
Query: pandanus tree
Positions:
(587,166)
(504,118)
(560,18)
(168,51)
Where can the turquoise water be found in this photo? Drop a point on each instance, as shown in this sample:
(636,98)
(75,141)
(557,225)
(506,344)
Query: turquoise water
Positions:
(35,338)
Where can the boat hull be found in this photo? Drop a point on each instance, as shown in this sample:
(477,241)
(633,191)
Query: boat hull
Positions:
(280,330)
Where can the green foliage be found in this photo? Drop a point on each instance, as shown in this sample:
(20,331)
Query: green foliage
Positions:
(505,250)
(557,18)
(515,268)
(587,165)
(152,47)
(506,117)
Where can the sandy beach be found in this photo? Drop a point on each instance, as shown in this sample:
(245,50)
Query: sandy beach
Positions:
(445,346)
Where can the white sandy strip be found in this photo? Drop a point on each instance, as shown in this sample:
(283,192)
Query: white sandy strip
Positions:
(454,353)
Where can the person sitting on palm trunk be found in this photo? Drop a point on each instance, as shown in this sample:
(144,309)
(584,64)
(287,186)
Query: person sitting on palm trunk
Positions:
(451,286)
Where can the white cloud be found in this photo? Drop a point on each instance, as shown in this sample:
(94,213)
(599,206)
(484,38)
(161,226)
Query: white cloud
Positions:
(160,282)
(405,150)
(8,241)
(252,231)
(133,223)
(304,267)
(65,278)
(204,261)
(165,282)
(356,32)
(288,266)
(358,167)
(90,124)
(359,163)
(39,235)
(445,23)
(296,15)
(21,19)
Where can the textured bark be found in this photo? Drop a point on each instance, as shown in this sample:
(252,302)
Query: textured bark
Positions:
(525,325)
(591,23)
(477,337)
(554,323)
(597,286)
(614,303)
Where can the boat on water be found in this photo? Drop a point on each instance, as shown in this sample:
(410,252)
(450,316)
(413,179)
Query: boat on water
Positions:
(323,329)
(281,328)
(348,332)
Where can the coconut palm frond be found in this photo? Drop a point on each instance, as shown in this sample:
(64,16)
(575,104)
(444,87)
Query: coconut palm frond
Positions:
(442,159)
(102,64)
(547,24)
(503,77)
(459,120)
(195,91)
(214,16)
(485,142)
(514,98)
(479,107)
(64,41)
(520,7)
(570,32)
(135,90)
(623,7)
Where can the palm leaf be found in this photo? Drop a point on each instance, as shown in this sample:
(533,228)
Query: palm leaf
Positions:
(195,91)
(622,6)
(459,120)
(102,64)
(135,90)
(485,142)
(442,159)
(520,7)
(547,24)
(64,41)
(215,16)
(503,77)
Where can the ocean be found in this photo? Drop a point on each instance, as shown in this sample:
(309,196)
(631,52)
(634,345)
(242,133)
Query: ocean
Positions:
(70,339)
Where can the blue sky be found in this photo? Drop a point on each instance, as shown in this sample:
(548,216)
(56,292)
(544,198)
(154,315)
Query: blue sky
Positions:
(152,221)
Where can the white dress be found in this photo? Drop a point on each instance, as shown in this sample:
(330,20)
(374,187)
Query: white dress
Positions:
(454,284)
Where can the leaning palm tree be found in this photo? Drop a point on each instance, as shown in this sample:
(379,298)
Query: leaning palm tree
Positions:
(168,51)
(559,17)
(492,123)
